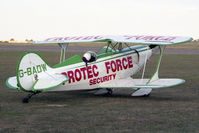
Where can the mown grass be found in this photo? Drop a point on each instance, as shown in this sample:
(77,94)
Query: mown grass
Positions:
(190,45)
(171,110)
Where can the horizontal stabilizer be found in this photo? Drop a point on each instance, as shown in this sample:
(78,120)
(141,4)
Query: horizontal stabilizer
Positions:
(142,83)
(12,82)
(49,82)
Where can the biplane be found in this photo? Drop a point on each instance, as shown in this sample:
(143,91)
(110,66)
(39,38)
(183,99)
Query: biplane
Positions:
(113,66)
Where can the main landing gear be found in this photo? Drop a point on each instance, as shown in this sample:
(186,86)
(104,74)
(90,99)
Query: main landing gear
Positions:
(104,91)
(110,91)
(26,99)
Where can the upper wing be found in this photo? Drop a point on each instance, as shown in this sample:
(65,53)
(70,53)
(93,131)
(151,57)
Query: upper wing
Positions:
(156,40)
(142,83)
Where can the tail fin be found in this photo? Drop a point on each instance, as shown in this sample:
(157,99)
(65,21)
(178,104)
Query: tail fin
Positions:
(33,74)
(30,67)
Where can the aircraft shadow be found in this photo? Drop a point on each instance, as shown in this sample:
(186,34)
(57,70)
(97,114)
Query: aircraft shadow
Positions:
(81,96)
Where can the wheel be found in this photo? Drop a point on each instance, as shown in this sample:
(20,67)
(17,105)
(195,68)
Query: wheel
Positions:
(110,92)
(25,100)
(147,95)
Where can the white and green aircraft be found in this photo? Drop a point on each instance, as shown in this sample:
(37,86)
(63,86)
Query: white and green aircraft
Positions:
(112,67)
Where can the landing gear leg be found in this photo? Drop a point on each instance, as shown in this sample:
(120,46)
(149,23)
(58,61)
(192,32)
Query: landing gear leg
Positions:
(26,99)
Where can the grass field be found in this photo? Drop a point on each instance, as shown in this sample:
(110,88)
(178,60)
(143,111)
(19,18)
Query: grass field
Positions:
(173,110)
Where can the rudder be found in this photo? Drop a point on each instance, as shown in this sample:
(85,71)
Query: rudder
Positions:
(29,68)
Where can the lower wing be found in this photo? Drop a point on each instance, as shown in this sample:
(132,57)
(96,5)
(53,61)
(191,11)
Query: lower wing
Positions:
(142,83)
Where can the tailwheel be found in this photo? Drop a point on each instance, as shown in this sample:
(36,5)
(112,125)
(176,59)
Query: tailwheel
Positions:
(25,100)
(29,96)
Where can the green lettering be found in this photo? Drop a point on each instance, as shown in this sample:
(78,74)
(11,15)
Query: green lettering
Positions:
(44,67)
(21,74)
(39,69)
(29,72)
(34,70)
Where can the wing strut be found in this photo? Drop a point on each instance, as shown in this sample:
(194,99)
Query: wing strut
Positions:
(144,68)
(63,51)
(156,74)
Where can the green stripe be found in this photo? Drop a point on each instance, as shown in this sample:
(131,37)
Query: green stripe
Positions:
(76,59)
(113,58)
(73,60)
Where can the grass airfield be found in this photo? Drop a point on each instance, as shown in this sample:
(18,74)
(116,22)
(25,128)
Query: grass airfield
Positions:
(173,110)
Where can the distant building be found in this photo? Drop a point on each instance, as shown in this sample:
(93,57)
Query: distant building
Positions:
(12,39)
(18,41)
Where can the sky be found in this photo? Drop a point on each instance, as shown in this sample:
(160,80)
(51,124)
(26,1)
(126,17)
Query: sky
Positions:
(40,19)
